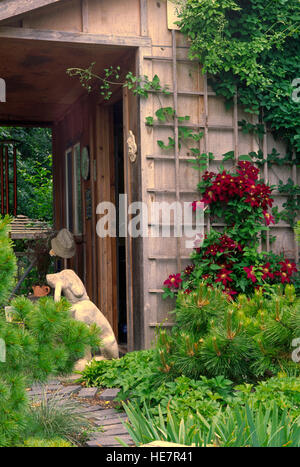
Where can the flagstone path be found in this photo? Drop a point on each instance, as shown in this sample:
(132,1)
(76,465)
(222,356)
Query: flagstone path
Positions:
(92,405)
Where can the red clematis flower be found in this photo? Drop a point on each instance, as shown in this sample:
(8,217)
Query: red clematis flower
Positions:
(269,218)
(189,269)
(205,276)
(209,196)
(173,281)
(230,292)
(283,276)
(248,170)
(187,291)
(212,250)
(250,274)
(197,205)
(224,276)
(267,272)
(208,175)
(288,267)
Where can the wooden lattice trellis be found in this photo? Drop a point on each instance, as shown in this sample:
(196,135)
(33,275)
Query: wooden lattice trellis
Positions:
(161,259)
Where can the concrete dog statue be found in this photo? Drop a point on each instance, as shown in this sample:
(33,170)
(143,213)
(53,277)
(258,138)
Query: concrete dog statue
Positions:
(84,310)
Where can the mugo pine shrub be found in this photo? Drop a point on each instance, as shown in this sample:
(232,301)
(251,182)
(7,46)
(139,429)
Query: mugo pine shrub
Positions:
(243,340)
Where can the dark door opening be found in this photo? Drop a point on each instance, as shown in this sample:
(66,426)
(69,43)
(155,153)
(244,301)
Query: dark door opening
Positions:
(120,241)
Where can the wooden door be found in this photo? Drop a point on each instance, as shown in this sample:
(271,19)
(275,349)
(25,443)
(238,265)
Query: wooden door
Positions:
(104,258)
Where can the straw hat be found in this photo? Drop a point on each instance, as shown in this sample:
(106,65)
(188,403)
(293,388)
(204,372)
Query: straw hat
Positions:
(63,244)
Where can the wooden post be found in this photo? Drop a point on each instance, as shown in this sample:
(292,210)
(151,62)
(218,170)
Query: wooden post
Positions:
(6,180)
(127,190)
(144,17)
(294,176)
(2,179)
(15,180)
(206,133)
(176,150)
(236,128)
(85,15)
(266,176)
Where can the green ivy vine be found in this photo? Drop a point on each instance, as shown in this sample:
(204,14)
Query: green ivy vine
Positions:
(252,46)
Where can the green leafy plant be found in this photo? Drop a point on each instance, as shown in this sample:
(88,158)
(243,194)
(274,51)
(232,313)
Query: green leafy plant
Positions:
(38,181)
(249,47)
(125,373)
(34,170)
(139,85)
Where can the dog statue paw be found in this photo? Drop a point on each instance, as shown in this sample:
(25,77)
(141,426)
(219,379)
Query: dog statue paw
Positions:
(68,283)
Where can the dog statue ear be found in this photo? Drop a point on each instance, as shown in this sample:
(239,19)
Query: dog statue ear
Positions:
(76,286)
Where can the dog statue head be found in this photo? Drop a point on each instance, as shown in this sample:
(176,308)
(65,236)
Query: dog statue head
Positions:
(69,283)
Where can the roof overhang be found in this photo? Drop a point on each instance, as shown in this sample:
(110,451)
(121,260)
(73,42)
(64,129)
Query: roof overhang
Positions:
(34,63)
(12,9)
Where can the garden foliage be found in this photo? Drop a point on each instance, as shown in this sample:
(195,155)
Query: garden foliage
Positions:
(187,411)
(232,427)
(34,170)
(8,264)
(250,46)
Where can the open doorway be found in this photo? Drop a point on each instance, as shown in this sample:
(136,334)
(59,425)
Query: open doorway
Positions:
(86,144)
(26,194)
(120,241)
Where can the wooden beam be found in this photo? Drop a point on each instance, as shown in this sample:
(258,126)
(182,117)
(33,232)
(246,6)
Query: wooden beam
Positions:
(12,8)
(144,17)
(26,123)
(74,37)
(85,15)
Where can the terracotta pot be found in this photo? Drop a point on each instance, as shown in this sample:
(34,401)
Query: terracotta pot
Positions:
(40,290)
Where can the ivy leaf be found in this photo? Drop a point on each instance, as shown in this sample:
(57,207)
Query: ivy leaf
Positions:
(228,156)
(245,157)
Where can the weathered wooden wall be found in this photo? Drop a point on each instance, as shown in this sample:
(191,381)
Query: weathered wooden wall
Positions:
(167,176)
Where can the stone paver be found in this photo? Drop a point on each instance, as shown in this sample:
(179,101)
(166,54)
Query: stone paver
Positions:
(111,421)
(106,413)
(118,430)
(109,394)
(69,389)
(38,389)
(109,441)
(118,425)
(91,409)
(88,393)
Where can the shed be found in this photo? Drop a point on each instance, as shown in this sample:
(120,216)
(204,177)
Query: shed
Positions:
(39,40)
